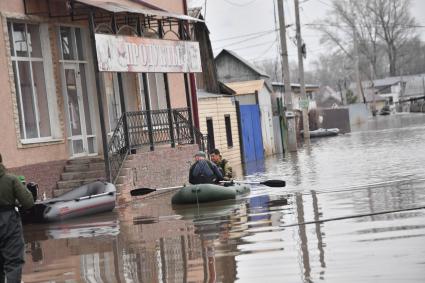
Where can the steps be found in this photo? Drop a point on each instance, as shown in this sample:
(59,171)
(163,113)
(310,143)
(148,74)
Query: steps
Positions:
(78,172)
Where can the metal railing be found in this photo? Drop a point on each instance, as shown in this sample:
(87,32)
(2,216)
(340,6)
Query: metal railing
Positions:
(117,150)
(150,128)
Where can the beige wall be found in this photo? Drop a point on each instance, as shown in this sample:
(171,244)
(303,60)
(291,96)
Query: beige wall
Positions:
(216,108)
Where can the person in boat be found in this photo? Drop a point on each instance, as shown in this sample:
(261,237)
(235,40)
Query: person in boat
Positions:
(12,245)
(204,171)
(222,164)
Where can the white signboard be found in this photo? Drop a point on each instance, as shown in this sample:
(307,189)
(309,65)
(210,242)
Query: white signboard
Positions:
(146,55)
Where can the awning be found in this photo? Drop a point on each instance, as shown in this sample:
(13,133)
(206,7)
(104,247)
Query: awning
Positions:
(127,6)
(79,9)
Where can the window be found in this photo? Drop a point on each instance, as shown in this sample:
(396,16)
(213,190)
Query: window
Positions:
(228,124)
(157,95)
(30,82)
(113,99)
(210,132)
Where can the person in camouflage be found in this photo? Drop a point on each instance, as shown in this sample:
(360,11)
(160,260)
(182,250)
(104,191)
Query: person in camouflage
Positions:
(12,246)
(222,164)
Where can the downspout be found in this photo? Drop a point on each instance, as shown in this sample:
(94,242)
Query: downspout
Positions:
(192,82)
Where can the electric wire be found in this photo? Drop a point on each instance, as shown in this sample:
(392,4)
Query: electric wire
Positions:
(240,4)
(353,216)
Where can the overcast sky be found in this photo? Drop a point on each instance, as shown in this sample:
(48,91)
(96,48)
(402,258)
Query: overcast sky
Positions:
(230,20)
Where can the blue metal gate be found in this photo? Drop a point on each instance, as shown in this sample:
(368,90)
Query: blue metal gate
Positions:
(251,133)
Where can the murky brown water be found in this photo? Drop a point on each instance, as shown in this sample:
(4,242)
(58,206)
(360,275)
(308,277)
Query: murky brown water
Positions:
(376,169)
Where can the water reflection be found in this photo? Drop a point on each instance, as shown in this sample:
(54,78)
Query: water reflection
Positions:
(249,240)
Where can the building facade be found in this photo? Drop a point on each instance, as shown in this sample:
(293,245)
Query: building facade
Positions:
(57,106)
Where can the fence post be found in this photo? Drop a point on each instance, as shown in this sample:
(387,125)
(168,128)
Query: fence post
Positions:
(148,110)
(170,118)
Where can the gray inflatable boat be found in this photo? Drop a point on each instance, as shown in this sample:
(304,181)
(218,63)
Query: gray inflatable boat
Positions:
(83,201)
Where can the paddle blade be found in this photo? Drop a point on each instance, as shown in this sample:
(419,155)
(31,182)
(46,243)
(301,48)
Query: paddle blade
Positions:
(274,183)
(141,191)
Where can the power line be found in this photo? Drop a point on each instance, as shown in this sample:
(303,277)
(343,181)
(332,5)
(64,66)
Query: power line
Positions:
(239,4)
(249,46)
(244,40)
(265,51)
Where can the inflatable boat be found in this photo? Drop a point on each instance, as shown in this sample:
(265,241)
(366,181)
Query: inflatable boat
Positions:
(324,133)
(201,193)
(83,201)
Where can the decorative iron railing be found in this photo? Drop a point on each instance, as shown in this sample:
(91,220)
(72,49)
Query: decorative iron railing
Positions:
(150,128)
(117,149)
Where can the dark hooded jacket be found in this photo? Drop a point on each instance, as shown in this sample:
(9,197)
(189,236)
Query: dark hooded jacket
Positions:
(204,172)
(11,189)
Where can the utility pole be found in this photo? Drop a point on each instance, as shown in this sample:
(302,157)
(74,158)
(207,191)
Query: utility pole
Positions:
(291,138)
(357,65)
(304,104)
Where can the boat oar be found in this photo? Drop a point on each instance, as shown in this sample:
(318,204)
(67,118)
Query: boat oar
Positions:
(268,183)
(145,191)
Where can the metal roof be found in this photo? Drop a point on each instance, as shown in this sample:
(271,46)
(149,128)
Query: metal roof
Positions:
(246,87)
(127,6)
(296,85)
(204,94)
(245,62)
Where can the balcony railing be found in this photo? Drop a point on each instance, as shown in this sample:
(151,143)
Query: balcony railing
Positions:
(148,129)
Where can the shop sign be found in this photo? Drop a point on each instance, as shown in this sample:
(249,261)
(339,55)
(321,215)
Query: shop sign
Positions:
(146,55)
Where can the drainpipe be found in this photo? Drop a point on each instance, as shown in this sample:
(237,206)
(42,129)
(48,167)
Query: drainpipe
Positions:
(194,97)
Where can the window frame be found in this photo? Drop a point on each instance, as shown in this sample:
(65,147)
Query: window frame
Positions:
(48,78)
(228,126)
(210,132)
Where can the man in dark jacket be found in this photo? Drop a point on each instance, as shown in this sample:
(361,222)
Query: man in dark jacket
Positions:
(11,237)
(204,171)
(222,164)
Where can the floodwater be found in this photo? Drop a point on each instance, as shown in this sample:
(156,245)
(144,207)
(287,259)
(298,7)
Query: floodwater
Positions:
(360,197)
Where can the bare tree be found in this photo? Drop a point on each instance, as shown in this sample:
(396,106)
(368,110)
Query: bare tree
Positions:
(378,24)
(396,26)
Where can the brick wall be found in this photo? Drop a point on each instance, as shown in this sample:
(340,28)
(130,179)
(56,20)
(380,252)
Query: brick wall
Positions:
(45,174)
(164,167)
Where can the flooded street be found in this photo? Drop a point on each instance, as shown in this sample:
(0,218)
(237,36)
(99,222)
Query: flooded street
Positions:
(360,197)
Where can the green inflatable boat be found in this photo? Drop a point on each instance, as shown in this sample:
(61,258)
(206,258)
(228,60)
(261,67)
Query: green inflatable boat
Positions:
(193,194)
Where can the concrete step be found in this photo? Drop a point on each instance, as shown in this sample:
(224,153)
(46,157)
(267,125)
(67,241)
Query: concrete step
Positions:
(84,160)
(85,167)
(72,184)
(68,176)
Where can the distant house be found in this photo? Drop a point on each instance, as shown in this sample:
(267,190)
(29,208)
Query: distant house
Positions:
(327,97)
(310,90)
(393,88)
(233,68)
(256,93)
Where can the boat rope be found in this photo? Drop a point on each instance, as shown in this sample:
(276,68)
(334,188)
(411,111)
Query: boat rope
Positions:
(353,216)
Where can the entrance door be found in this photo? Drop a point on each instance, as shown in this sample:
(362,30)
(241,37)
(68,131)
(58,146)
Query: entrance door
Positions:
(251,133)
(77,131)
